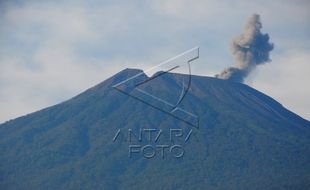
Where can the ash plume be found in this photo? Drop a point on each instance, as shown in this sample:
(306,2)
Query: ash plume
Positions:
(249,49)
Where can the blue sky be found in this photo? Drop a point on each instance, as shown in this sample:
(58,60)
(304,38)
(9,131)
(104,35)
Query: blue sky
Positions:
(53,50)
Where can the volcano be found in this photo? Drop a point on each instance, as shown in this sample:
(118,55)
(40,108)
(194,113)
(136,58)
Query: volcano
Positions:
(106,139)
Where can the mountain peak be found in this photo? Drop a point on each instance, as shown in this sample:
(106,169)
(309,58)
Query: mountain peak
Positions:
(242,134)
(116,78)
(129,71)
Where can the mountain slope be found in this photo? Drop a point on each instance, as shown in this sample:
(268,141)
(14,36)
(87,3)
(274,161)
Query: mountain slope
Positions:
(245,140)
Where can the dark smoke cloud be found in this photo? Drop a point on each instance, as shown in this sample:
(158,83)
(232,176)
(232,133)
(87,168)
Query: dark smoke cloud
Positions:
(249,49)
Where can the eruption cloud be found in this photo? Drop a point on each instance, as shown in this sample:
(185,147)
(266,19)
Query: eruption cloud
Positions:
(249,49)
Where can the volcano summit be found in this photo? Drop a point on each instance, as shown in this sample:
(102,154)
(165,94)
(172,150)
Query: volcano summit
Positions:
(245,140)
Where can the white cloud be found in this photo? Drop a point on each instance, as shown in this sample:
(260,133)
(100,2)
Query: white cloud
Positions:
(286,80)
(51,51)
(48,70)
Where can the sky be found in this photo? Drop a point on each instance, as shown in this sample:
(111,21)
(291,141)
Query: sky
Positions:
(51,51)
